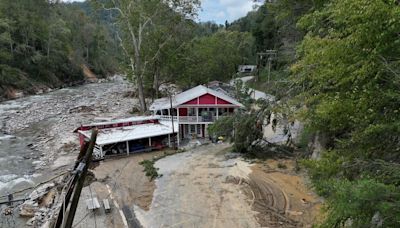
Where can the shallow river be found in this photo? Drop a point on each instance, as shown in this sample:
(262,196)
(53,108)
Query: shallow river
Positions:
(31,127)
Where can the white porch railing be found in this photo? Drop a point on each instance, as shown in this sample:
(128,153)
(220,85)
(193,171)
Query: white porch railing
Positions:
(168,118)
(192,119)
(195,119)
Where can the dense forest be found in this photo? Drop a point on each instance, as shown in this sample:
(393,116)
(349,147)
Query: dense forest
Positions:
(47,44)
(337,71)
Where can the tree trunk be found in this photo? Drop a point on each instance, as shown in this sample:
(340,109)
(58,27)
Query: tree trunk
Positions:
(48,48)
(87,54)
(156,77)
(139,81)
(142,99)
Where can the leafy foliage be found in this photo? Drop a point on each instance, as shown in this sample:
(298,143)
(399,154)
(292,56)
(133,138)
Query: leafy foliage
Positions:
(349,91)
(347,79)
(213,57)
(149,169)
(242,128)
(42,42)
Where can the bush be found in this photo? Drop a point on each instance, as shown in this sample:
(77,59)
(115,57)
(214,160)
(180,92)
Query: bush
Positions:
(149,169)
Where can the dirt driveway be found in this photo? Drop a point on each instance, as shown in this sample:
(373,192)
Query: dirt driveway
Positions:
(203,187)
(194,192)
(206,188)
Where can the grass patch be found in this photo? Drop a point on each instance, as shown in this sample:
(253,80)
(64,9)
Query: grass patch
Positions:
(149,169)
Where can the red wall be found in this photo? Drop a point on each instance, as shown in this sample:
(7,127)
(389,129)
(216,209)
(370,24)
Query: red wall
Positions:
(207,99)
(81,139)
(220,101)
(194,101)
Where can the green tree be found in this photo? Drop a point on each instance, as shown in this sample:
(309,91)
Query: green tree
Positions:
(137,21)
(215,57)
(347,78)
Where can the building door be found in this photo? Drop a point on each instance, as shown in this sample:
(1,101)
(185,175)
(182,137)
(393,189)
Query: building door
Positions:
(195,130)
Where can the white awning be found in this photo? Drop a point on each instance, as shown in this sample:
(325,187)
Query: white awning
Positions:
(128,133)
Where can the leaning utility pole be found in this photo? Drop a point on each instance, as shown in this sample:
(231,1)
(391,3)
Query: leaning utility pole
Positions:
(75,186)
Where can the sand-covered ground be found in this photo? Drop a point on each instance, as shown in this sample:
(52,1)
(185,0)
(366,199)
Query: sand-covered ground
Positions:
(206,186)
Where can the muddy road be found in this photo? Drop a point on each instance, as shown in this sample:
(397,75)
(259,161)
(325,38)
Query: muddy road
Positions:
(207,187)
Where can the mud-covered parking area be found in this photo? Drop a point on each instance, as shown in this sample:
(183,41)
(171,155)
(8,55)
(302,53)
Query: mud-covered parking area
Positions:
(195,191)
(121,181)
(203,187)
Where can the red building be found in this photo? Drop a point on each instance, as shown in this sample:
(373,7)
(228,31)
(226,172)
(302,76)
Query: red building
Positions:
(129,136)
(195,109)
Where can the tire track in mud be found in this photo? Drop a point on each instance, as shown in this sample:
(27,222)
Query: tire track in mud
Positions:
(270,201)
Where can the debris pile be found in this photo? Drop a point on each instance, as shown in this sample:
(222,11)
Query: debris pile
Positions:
(271,149)
(42,203)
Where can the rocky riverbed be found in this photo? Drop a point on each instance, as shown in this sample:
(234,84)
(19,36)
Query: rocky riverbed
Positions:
(36,132)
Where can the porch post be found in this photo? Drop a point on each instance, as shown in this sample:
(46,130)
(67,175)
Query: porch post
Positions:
(217,112)
(197,114)
(169,112)
(177,134)
(127,147)
(169,140)
(149,141)
(177,116)
(101,151)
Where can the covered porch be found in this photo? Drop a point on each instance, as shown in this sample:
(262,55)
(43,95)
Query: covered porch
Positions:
(133,139)
(195,114)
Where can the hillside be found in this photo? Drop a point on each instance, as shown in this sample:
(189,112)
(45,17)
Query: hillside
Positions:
(43,45)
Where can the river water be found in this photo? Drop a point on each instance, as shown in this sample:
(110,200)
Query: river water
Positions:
(36,132)
(16,165)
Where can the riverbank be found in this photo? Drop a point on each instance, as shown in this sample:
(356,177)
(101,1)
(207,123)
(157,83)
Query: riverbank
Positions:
(37,136)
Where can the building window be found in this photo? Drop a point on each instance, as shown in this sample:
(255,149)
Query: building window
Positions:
(192,112)
(165,112)
(212,110)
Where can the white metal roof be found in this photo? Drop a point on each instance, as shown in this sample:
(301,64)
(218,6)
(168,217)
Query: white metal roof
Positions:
(188,95)
(122,134)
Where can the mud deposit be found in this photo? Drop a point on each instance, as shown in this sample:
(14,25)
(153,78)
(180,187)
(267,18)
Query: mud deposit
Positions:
(281,196)
(208,187)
